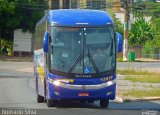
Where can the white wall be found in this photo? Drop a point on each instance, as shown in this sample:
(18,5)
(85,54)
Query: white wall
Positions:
(22,41)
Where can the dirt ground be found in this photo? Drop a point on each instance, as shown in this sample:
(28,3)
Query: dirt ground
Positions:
(15,58)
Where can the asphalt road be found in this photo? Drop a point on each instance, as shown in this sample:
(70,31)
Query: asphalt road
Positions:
(149,66)
(17,91)
(26,68)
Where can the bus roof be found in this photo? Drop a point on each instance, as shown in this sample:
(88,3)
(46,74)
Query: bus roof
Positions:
(79,17)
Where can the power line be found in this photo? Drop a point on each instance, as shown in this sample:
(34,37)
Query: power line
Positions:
(29,8)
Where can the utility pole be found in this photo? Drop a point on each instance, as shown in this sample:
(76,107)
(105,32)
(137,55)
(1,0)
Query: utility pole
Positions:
(126,19)
(61,4)
(116,6)
(50,4)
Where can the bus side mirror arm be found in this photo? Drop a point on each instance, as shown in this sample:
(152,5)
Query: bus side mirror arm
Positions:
(46,42)
(118,42)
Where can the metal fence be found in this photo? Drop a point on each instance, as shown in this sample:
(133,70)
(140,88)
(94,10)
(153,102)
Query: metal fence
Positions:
(143,52)
(151,52)
(146,52)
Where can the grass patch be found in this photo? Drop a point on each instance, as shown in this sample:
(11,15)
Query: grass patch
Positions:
(144,79)
(135,72)
(140,76)
(142,93)
(119,59)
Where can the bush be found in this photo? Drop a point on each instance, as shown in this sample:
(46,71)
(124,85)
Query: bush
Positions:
(7,43)
(150,50)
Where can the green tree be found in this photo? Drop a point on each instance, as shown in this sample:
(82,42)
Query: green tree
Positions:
(155,22)
(152,10)
(117,24)
(19,14)
(140,32)
(7,19)
(29,12)
(153,46)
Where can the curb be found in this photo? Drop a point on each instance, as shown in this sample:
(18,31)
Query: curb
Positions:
(14,75)
(16,60)
(132,99)
(118,99)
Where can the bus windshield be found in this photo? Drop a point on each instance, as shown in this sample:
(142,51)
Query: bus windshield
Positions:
(82,50)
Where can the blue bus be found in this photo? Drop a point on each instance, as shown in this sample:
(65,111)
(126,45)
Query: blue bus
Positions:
(75,57)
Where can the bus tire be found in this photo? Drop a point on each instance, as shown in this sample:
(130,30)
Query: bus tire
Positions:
(82,101)
(40,99)
(50,103)
(104,103)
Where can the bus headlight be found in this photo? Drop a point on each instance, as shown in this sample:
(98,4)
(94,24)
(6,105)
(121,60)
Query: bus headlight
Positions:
(111,82)
(56,83)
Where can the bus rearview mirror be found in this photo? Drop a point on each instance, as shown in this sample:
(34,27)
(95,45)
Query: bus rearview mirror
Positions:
(119,42)
(45,42)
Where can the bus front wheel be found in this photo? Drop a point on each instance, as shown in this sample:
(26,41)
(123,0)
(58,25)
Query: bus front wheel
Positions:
(104,103)
(50,103)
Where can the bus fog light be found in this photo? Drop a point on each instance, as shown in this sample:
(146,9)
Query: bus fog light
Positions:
(109,93)
(56,83)
(56,93)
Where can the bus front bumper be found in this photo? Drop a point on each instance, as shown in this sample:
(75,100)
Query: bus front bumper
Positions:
(58,91)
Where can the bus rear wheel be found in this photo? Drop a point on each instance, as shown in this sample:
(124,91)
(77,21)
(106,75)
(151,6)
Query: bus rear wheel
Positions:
(104,103)
(40,99)
(50,103)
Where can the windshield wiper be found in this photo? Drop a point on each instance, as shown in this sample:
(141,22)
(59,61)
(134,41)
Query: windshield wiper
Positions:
(93,63)
(74,64)
(90,59)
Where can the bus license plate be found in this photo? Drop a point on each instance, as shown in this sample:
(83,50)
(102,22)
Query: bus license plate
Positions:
(83,94)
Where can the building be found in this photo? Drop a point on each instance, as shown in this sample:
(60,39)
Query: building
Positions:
(73,4)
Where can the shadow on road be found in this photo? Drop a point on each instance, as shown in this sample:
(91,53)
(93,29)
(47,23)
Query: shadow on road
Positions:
(139,105)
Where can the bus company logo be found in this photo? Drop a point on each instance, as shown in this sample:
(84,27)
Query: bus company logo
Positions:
(83,87)
(84,76)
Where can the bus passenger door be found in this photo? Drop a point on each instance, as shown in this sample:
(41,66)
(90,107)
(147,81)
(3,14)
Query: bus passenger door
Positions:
(39,63)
